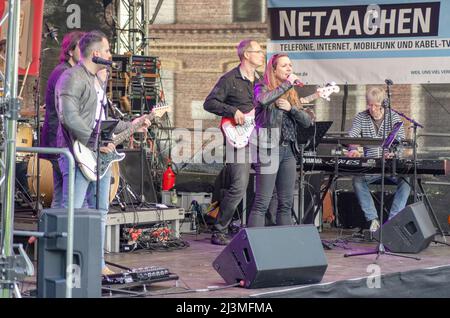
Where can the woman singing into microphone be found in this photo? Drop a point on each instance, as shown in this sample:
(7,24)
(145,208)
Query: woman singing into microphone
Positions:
(277,111)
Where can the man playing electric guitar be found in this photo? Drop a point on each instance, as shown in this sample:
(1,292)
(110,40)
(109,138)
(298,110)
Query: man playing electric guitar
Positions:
(232,97)
(79,101)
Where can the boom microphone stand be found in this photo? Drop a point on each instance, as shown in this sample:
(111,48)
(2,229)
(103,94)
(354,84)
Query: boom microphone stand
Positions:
(380,250)
(417,185)
(99,141)
(142,150)
(37,102)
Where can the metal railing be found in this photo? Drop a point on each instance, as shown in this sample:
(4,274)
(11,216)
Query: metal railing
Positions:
(70,209)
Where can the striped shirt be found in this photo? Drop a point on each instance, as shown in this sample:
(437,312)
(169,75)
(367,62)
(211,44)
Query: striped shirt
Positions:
(363,126)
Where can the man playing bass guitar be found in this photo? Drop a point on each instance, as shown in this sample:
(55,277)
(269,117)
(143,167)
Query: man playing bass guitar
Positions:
(232,97)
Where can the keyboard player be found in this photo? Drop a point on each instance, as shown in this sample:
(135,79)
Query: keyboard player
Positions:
(370,124)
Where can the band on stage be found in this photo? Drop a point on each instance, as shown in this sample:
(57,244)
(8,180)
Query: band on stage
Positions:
(268,106)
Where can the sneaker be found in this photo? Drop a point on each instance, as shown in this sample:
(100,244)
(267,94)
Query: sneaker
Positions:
(374,225)
(219,239)
(107,271)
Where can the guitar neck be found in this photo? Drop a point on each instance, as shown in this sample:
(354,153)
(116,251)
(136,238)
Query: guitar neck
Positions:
(128,132)
(311,97)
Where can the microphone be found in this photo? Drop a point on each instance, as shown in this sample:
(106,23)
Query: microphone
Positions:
(389,82)
(385,103)
(99,60)
(298,83)
(116,110)
(52,32)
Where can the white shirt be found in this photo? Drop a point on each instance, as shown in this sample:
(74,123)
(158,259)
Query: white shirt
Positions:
(101,99)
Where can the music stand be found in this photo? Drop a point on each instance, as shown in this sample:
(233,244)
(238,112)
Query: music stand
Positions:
(392,137)
(312,136)
(308,139)
(105,131)
(107,128)
(386,145)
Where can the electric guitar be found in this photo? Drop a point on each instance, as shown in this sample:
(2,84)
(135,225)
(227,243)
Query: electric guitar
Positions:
(238,136)
(87,159)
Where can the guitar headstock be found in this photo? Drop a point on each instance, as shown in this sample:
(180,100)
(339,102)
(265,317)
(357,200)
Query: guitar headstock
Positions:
(160,109)
(327,90)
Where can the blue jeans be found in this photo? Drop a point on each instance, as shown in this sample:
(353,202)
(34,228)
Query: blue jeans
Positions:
(361,186)
(85,190)
(276,169)
(57,185)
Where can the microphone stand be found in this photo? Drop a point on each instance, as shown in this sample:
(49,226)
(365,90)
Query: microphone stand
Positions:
(380,250)
(415,125)
(37,120)
(142,150)
(99,138)
(417,184)
(388,85)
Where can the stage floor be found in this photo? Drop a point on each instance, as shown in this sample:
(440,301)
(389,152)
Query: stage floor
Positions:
(196,274)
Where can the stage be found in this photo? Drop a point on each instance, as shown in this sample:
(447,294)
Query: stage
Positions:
(198,279)
(191,256)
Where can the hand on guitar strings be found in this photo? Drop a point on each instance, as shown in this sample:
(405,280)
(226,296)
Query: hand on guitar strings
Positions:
(144,125)
(108,148)
(239,117)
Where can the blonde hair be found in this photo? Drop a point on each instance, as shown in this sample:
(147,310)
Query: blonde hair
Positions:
(375,95)
(272,82)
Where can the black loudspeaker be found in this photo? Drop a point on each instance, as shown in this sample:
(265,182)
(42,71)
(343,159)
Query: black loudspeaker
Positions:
(132,172)
(409,231)
(51,281)
(273,256)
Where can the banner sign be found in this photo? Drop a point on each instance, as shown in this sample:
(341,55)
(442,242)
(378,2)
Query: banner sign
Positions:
(362,42)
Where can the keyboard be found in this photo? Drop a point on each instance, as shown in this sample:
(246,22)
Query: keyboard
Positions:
(364,165)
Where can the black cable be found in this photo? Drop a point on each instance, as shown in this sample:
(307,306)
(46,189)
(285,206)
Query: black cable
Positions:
(187,291)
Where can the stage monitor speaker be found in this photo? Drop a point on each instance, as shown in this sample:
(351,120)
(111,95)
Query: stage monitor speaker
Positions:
(409,231)
(131,171)
(273,256)
(51,275)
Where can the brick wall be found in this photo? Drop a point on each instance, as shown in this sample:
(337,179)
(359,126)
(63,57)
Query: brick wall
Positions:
(203,11)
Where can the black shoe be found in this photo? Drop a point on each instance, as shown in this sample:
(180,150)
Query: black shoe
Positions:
(233,228)
(219,239)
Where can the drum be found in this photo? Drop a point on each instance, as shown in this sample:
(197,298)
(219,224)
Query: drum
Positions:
(46,180)
(115,180)
(24,138)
